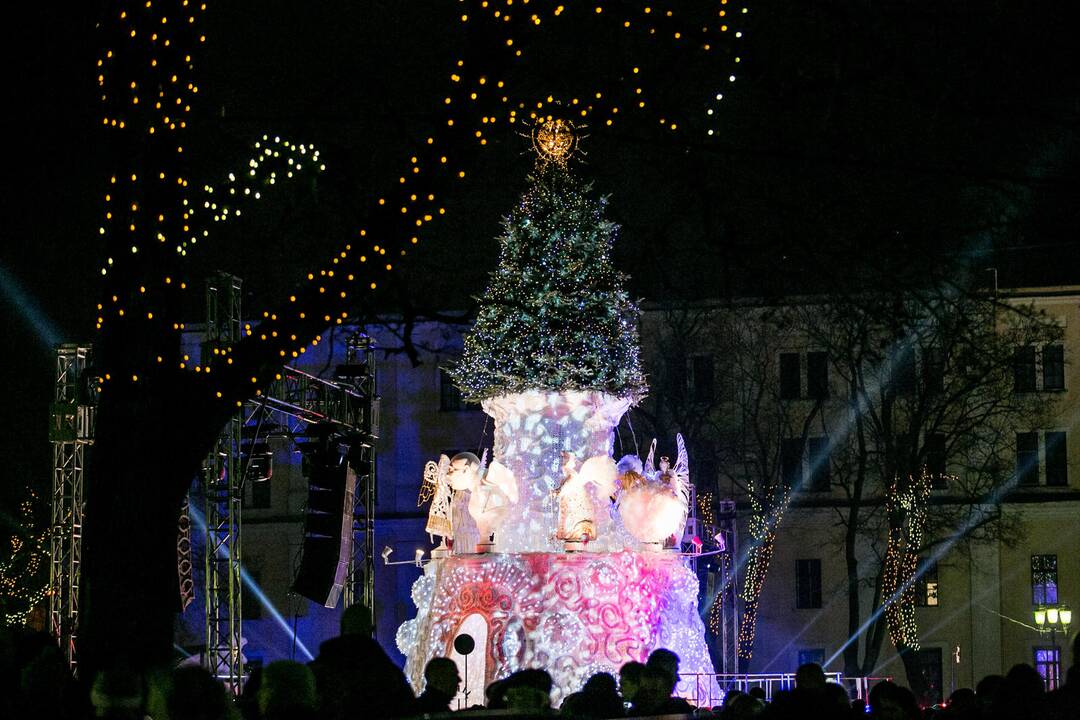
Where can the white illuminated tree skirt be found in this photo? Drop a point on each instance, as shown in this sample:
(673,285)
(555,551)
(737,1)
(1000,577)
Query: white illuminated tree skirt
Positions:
(570,614)
(532,431)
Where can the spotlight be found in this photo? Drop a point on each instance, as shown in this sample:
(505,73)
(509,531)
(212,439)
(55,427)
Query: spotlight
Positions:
(386,552)
(419,557)
(721,541)
(696,542)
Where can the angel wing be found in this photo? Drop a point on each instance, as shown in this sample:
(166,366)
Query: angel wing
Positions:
(682,486)
(682,463)
(439,514)
(650,461)
(429,483)
(502,477)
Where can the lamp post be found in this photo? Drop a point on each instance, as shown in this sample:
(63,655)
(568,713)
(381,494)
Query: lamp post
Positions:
(1051,619)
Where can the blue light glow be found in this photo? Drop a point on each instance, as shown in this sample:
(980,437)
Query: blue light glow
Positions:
(29,310)
(252,586)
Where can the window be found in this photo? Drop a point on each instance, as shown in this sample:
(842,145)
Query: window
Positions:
(811,655)
(903,379)
(790,376)
(1053,367)
(1026,361)
(817,375)
(1024,369)
(450,399)
(820,475)
(1057,463)
(1044,579)
(1027,458)
(702,377)
(704,458)
(808,584)
(928,666)
(933,369)
(935,461)
(926,586)
(791,462)
(1048,664)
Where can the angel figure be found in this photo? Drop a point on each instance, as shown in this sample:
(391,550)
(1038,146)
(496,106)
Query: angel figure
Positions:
(631,473)
(677,480)
(491,497)
(463,475)
(584,499)
(656,509)
(436,488)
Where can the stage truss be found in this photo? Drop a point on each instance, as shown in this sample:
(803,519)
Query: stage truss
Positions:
(71,431)
(292,402)
(222,496)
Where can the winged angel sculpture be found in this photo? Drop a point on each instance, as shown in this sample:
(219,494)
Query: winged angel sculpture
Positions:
(654,503)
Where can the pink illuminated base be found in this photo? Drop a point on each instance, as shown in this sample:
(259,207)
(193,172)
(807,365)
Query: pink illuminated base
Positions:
(571,614)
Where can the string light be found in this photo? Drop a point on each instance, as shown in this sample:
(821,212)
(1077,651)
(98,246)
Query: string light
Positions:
(22,587)
(906,510)
(555,315)
(768,500)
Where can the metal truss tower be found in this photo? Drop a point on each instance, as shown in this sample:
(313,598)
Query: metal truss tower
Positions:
(728,590)
(71,431)
(221,492)
(358,374)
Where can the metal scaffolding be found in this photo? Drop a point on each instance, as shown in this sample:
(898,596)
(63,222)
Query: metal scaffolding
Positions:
(293,400)
(71,430)
(221,492)
(728,587)
(359,373)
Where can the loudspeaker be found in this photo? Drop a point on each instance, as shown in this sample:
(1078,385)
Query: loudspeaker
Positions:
(328,520)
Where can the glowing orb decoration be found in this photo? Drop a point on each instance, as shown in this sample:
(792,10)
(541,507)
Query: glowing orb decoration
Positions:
(571,614)
(555,139)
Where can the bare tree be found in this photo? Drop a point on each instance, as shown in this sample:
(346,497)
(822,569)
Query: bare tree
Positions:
(923,449)
(738,421)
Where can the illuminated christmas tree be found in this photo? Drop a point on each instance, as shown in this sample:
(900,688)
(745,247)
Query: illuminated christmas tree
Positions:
(555,315)
(556,556)
(24,568)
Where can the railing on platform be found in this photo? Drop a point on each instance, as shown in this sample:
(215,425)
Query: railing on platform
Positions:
(699,689)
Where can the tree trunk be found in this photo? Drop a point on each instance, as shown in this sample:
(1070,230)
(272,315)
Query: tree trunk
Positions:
(915,678)
(150,442)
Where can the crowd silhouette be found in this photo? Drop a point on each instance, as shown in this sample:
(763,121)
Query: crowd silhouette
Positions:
(353,678)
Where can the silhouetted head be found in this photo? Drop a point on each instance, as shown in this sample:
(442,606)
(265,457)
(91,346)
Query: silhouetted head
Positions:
(630,679)
(664,659)
(528,690)
(196,695)
(287,688)
(356,620)
(1024,681)
(119,692)
(442,674)
(810,676)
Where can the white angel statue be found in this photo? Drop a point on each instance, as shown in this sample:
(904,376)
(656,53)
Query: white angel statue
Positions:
(656,509)
(490,500)
(585,499)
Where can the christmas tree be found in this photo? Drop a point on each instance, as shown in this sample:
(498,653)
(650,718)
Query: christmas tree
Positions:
(24,567)
(555,315)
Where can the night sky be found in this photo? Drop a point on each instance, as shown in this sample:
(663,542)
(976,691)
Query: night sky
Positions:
(855,130)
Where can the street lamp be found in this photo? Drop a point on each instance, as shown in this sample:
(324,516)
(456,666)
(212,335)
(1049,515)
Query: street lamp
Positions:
(1051,619)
